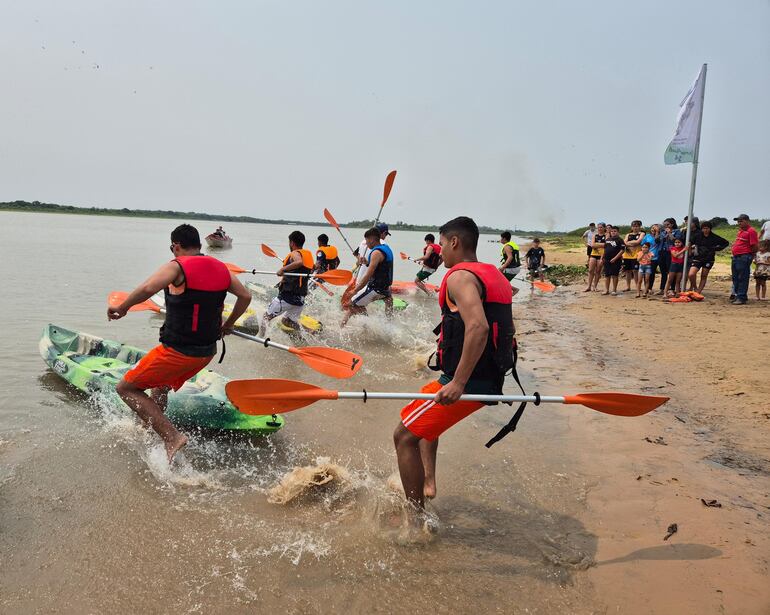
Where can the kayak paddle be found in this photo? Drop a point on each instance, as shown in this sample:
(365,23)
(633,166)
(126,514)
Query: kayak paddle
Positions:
(333,362)
(406,257)
(386,193)
(333,222)
(337,277)
(277,396)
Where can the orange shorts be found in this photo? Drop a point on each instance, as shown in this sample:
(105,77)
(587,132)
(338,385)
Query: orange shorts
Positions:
(165,367)
(428,420)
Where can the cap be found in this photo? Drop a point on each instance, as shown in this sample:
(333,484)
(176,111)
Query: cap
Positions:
(383,228)
(742,217)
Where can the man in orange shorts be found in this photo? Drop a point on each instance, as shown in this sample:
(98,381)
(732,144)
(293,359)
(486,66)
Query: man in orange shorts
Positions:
(195,287)
(475,351)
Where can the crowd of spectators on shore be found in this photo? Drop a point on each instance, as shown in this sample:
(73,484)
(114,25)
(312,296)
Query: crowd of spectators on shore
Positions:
(661,253)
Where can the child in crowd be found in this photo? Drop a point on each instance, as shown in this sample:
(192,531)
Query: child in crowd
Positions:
(677,268)
(762,271)
(536,260)
(644,258)
(613,251)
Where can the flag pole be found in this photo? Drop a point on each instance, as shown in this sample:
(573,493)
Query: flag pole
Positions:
(686,272)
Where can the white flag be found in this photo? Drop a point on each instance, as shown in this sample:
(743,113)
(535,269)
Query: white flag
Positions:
(682,146)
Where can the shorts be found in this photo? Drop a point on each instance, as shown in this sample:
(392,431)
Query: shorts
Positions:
(701,265)
(630,264)
(424,273)
(612,269)
(761,275)
(511,272)
(588,250)
(645,269)
(365,296)
(676,268)
(289,310)
(428,420)
(595,256)
(165,367)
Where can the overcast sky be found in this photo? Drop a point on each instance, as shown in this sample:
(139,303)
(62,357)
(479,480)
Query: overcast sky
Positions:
(520,114)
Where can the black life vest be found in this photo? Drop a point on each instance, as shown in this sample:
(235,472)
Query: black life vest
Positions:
(498,356)
(330,255)
(194,317)
(434,260)
(297,285)
(382,279)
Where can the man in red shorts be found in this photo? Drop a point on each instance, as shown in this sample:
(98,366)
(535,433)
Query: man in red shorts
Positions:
(475,351)
(195,287)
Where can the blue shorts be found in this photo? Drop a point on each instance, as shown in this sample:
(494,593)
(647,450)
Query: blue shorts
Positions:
(645,269)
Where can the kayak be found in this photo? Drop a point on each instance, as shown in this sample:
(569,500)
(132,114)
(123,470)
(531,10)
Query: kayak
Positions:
(401,288)
(92,364)
(217,241)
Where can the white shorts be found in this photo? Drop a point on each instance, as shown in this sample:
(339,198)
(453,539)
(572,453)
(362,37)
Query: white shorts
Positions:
(512,270)
(278,307)
(364,297)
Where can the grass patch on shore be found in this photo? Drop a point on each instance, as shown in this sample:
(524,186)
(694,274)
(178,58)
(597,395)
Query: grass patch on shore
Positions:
(561,275)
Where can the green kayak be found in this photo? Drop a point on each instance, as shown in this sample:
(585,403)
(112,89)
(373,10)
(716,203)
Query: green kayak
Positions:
(92,364)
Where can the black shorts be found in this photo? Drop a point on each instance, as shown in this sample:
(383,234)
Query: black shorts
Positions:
(612,269)
(596,256)
(630,264)
(701,265)
(588,250)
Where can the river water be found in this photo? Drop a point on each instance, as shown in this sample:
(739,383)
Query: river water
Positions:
(92,518)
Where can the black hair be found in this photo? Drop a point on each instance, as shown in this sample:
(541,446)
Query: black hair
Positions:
(707,223)
(592,224)
(466,230)
(505,234)
(373,232)
(186,235)
(297,238)
(536,240)
(323,238)
(430,237)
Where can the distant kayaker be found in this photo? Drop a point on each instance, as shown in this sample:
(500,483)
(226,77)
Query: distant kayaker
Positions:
(220,232)
(510,261)
(475,351)
(195,287)
(326,257)
(375,284)
(430,259)
(292,290)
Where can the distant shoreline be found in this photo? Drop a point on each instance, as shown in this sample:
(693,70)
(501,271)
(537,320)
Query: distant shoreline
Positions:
(52,208)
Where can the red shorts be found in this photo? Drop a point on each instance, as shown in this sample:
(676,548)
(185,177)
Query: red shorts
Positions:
(165,367)
(428,420)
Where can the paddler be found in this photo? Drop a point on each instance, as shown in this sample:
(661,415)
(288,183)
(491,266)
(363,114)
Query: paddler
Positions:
(363,251)
(510,262)
(476,349)
(430,259)
(326,257)
(375,284)
(292,290)
(195,287)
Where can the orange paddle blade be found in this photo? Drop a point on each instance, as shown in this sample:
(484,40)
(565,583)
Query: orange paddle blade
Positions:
(546,287)
(348,294)
(330,219)
(404,255)
(268,251)
(232,268)
(337,277)
(116,298)
(619,404)
(333,362)
(388,187)
(274,396)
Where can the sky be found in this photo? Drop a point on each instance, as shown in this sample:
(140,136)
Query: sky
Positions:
(531,115)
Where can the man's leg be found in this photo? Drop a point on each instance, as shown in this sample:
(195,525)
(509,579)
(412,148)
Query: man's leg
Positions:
(389,305)
(743,265)
(410,465)
(704,274)
(160,396)
(151,414)
(428,455)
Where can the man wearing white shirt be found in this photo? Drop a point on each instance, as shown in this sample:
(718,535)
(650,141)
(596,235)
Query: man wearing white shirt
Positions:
(588,239)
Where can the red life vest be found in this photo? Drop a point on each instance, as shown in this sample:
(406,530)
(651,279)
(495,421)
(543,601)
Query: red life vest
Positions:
(497,359)
(194,317)
(434,260)
(297,285)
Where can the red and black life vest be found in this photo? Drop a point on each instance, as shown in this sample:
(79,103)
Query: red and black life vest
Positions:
(293,284)
(434,260)
(194,317)
(498,357)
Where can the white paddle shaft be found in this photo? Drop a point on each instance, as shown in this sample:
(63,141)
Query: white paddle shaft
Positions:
(470,397)
(260,340)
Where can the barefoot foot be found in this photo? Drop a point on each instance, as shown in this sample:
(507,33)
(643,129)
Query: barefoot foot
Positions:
(173,446)
(429,489)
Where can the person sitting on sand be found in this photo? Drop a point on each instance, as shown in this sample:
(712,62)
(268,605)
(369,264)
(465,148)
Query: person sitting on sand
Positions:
(705,245)
(292,289)
(376,282)
(430,259)
(195,287)
(762,271)
(595,259)
(475,300)
(510,262)
(535,258)
(644,258)
(675,270)
(613,252)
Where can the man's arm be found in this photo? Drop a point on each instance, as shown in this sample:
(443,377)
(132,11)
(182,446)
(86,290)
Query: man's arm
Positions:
(428,252)
(294,263)
(374,259)
(508,250)
(542,256)
(465,290)
(243,298)
(167,274)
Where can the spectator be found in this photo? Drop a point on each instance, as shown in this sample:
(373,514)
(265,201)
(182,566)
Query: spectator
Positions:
(595,258)
(588,239)
(613,251)
(744,248)
(765,231)
(644,259)
(705,245)
(677,267)
(762,272)
(667,237)
(630,265)
(652,239)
